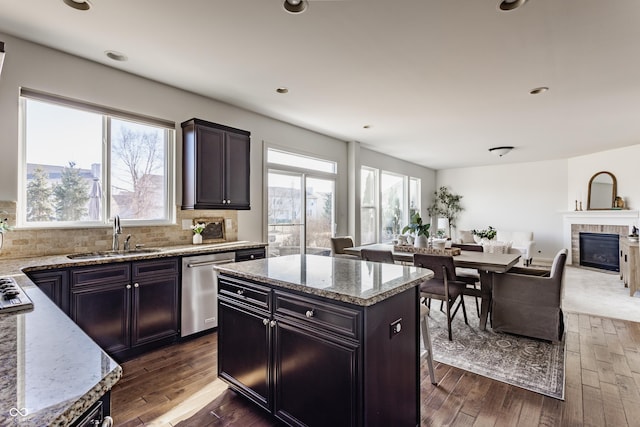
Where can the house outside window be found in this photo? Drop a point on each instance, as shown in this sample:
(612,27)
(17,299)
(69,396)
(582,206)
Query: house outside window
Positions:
(82,164)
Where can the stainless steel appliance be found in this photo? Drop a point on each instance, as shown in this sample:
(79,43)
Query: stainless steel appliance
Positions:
(200,291)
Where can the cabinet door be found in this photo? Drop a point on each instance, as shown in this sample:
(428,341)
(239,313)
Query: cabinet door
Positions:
(155,309)
(316,377)
(244,341)
(237,172)
(55,285)
(209,167)
(103,312)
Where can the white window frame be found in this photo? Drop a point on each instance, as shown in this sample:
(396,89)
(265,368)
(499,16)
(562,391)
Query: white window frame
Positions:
(376,204)
(107,114)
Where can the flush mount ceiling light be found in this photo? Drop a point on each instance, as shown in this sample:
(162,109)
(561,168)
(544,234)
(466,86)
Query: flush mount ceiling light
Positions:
(366,127)
(538,90)
(507,5)
(282,90)
(116,56)
(295,6)
(78,4)
(500,151)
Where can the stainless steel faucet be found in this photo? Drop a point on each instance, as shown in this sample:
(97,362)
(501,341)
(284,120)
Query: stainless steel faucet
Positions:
(117,229)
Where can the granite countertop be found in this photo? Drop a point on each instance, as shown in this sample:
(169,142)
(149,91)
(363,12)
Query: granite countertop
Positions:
(51,372)
(352,281)
(19,265)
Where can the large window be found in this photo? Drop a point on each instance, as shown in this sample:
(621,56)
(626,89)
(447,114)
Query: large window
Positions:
(83,164)
(300,203)
(368,205)
(387,201)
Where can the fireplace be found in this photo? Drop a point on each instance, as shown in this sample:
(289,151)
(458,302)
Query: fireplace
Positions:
(600,250)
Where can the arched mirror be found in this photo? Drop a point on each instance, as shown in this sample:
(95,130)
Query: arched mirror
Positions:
(602,191)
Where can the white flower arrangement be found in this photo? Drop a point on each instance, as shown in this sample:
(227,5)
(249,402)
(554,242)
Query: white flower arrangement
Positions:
(198,228)
(4,224)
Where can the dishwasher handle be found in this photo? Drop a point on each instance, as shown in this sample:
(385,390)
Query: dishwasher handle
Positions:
(206,263)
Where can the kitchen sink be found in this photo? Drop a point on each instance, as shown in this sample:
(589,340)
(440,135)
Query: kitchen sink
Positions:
(113,254)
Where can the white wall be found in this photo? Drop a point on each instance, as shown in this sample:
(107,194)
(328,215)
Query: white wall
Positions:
(36,67)
(621,162)
(514,197)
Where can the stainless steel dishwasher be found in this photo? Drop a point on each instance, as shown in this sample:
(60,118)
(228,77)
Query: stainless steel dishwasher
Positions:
(200,291)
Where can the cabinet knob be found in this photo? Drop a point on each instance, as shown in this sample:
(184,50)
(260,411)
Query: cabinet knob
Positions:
(136,285)
(272,323)
(128,286)
(309,313)
(240,292)
(252,256)
(265,321)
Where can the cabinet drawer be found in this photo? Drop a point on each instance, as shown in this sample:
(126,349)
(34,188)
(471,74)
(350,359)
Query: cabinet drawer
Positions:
(318,314)
(249,254)
(245,292)
(111,274)
(156,267)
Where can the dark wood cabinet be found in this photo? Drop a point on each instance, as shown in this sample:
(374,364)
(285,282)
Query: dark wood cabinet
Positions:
(127,308)
(55,285)
(305,359)
(249,254)
(215,166)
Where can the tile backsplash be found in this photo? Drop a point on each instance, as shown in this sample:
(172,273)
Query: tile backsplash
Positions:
(20,243)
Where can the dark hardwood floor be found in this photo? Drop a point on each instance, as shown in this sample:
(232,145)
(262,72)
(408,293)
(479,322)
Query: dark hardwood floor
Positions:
(177,386)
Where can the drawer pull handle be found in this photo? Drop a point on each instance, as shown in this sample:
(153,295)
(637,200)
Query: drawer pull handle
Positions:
(265,321)
(240,291)
(272,323)
(309,313)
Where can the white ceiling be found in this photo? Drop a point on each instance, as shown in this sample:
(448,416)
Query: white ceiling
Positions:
(438,81)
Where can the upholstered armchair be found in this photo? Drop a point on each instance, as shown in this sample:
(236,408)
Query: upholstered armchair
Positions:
(526,301)
(521,243)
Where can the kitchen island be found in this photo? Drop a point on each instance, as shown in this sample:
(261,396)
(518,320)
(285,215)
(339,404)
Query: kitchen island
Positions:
(322,341)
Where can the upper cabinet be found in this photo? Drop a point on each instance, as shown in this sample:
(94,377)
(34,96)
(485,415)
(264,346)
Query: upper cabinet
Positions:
(215,166)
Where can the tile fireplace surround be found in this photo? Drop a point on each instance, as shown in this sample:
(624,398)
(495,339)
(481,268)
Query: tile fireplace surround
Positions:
(605,221)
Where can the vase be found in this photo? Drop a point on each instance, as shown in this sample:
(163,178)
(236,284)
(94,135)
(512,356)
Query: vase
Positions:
(420,241)
(197,239)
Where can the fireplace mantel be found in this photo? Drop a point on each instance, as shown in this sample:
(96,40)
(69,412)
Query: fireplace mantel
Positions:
(620,217)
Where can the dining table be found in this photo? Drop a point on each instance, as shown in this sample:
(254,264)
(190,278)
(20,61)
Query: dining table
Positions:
(487,264)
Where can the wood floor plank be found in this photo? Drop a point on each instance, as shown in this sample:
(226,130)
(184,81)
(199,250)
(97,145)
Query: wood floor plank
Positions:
(572,413)
(592,406)
(613,408)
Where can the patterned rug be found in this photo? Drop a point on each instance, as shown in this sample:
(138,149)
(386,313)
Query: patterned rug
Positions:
(528,363)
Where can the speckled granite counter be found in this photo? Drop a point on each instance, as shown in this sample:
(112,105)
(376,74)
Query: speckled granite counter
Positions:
(351,281)
(51,372)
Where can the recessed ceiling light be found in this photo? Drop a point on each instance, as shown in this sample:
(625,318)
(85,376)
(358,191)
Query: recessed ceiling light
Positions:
(116,56)
(507,5)
(538,90)
(282,90)
(366,127)
(78,4)
(295,6)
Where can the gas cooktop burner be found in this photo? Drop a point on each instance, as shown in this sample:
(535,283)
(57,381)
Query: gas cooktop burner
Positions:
(12,297)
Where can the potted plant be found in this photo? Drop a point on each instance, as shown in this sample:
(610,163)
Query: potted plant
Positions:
(484,234)
(4,226)
(420,230)
(197,232)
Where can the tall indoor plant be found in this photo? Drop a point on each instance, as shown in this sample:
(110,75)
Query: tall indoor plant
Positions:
(445,205)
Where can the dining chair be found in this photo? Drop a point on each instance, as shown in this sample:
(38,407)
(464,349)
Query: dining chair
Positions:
(426,341)
(443,286)
(339,243)
(470,276)
(377,255)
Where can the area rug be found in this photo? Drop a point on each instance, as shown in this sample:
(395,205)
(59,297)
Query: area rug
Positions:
(531,364)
